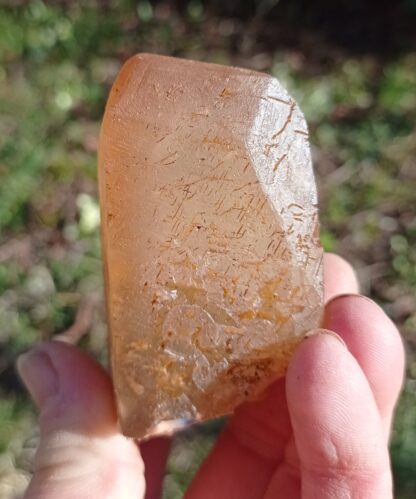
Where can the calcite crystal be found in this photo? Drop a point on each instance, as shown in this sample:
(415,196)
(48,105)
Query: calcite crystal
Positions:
(210,238)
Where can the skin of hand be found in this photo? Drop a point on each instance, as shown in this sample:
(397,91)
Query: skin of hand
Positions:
(321,432)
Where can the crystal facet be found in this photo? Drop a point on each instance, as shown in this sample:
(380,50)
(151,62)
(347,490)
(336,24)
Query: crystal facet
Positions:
(210,238)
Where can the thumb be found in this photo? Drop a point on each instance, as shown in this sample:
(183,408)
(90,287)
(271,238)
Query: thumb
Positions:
(81,454)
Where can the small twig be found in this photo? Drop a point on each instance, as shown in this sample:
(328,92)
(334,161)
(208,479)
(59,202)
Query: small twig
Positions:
(83,320)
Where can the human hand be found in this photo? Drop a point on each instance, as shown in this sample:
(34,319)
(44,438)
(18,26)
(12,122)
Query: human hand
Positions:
(320,432)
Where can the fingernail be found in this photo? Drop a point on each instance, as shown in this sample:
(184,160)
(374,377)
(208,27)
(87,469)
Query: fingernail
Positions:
(317,332)
(64,338)
(350,295)
(38,375)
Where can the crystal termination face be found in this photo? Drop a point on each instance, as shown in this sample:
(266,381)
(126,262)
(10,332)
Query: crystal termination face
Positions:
(210,234)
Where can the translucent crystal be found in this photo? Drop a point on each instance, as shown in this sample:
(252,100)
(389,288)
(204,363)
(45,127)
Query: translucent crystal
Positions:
(210,238)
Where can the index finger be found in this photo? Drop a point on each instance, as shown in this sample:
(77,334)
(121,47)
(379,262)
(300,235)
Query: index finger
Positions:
(339,277)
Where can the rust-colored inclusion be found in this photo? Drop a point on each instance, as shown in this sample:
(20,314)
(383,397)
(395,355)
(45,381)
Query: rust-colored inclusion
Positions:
(211,249)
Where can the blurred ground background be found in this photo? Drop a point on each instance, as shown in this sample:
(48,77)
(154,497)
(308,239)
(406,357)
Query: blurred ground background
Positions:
(352,67)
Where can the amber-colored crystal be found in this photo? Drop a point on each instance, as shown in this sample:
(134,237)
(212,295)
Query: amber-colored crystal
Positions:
(210,238)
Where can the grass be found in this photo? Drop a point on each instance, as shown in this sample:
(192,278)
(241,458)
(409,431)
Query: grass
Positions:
(56,67)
